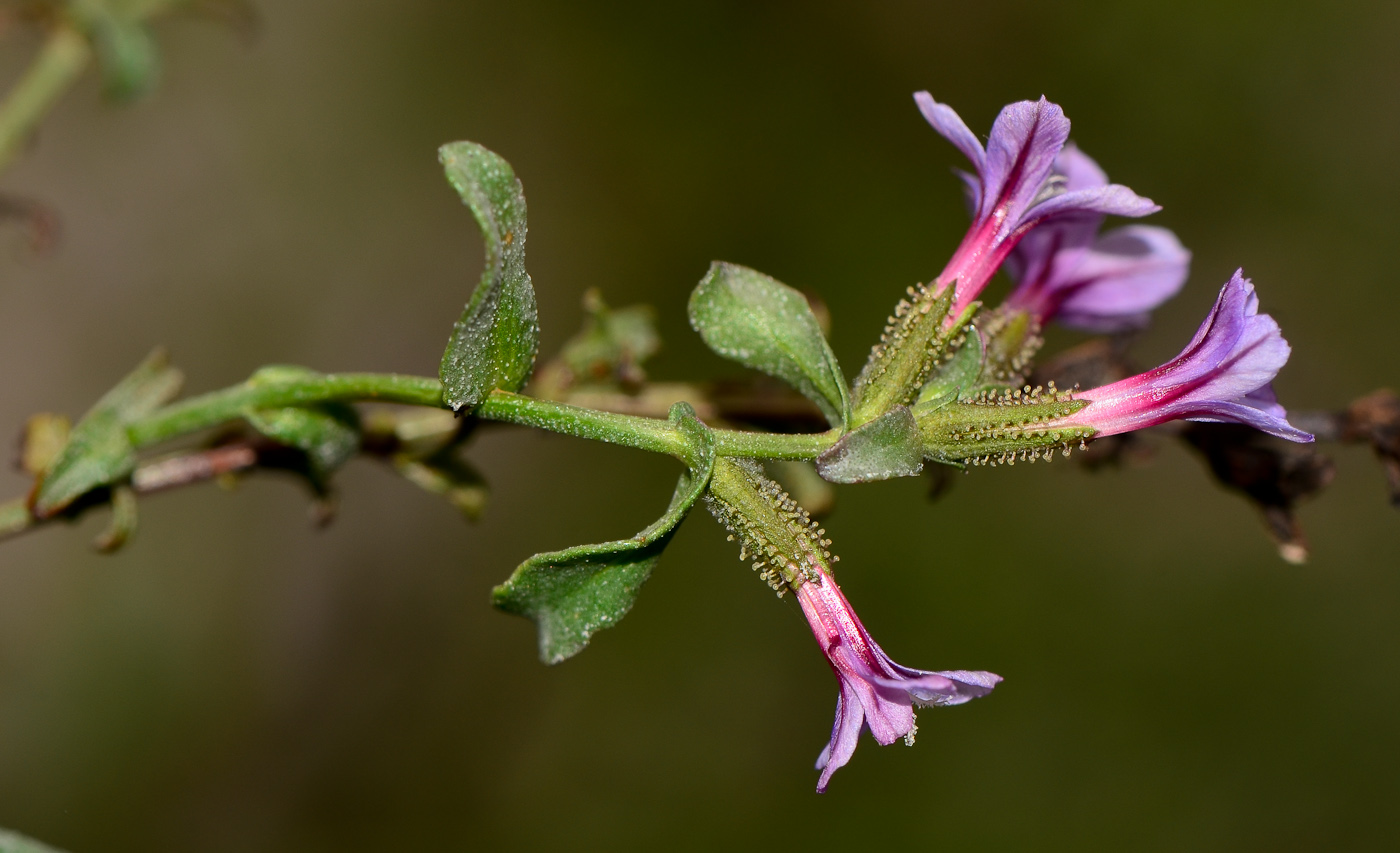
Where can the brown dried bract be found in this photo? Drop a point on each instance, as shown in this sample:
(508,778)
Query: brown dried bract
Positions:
(1274,474)
(1375,419)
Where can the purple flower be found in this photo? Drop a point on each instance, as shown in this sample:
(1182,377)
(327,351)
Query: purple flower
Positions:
(1015,188)
(1222,375)
(1097,283)
(876,693)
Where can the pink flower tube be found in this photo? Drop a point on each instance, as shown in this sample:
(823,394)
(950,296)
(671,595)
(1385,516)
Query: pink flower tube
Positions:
(1223,375)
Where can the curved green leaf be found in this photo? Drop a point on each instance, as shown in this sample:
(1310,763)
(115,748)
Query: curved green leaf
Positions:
(762,323)
(328,433)
(98,452)
(493,345)
(574,593)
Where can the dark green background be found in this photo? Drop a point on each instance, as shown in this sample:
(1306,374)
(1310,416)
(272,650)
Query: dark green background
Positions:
(235,680)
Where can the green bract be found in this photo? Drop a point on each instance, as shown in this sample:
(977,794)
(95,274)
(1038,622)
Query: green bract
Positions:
(493,344)
(762,323)
(574,593)
(886,447)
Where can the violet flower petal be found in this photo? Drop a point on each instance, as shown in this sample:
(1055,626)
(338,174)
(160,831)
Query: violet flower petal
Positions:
(1125,275)
(1079,170)
(951,127)
(845,734)
(1222,375)
(1112,200)
(875,692)
(1021,151)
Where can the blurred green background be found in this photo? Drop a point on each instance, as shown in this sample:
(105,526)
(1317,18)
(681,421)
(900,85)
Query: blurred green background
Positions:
(237,680)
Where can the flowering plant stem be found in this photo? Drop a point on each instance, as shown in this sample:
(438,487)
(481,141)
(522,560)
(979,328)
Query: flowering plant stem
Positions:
(230,404)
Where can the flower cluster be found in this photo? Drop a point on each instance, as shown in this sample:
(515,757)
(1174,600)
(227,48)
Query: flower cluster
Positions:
(1038,204)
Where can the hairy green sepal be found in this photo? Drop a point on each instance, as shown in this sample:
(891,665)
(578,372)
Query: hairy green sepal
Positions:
(762,323)
(960,376)
(999,428)
(493,344)
(574,593)
(915,340)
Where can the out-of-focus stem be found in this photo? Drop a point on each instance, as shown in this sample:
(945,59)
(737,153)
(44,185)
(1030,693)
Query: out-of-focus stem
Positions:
(62,58)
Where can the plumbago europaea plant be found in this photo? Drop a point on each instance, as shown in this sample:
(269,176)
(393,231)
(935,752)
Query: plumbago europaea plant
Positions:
(950,384)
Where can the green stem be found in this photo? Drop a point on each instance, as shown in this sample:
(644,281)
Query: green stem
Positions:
(229,404)
(62,58)
(652,434)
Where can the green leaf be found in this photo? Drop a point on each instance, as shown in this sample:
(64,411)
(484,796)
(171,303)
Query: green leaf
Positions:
(762,323)
(613,344)
(574,593)
(886,447)
(447,474)
(493,345)
(13,842)
(959,376)
(126,51)
(328,433)
(98,452)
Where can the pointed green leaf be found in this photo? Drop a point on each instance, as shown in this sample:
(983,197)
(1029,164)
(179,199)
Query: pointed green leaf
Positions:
(98,452)
(762,323)
(329,433)
(493,344)
(574,593)
(886,447)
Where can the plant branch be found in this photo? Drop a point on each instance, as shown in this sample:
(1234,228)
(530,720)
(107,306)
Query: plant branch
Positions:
(226,405)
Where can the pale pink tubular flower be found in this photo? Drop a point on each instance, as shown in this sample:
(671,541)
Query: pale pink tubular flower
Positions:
(875,692)
(1015,188)
(1223,375)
